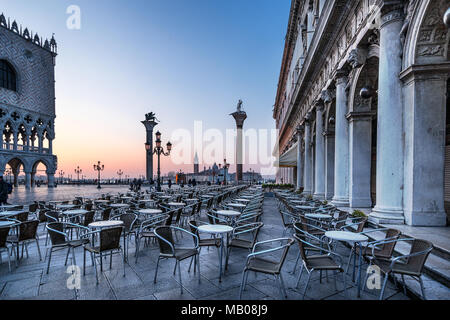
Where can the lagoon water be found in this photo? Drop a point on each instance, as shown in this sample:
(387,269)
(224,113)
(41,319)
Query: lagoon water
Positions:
(63,192)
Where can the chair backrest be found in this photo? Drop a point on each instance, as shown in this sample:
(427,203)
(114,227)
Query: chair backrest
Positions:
(88,206)
(56,237)
(41,216)
(32,207)
(287,245)
(361,224)
(22,217)
(169,217)
(417,262)
(3,236)
(52,216)
(128,220)
(178,215)
(106,214)
(28,229)
(88,218)
(301,241)
(388,248)
(110,238)
(193,225)
(165,233)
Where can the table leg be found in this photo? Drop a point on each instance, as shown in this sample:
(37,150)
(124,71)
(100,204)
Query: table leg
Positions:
(220,259)
(359,269)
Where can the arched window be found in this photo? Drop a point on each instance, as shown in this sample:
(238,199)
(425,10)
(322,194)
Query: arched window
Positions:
(7,76)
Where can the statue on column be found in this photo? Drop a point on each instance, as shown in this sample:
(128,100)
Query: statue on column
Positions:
(239,106)
(151,117)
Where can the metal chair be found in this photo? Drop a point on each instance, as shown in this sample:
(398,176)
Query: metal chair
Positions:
(257,262)
(321,262)
(60,240)
(109,244)
(27,233)
(168,250)
(146,230)
(4,231)
(411,264)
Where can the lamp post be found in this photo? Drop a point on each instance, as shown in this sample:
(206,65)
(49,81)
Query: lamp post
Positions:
(225,169)
(99,167)
(78,171)
(120,173)
(61,176)
(159,150)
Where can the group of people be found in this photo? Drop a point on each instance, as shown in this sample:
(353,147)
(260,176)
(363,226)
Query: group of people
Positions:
(136,185)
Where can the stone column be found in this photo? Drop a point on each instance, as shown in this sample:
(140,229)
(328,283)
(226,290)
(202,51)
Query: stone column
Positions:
(239,116)
(300,131)
(15,140)
(390,144)
(329,164)
(149,126)
(51,179)
(425,133)
(360,135)
(319,169)
(308,158)
(50,146)
(16,179)
(28,180)
(341,154)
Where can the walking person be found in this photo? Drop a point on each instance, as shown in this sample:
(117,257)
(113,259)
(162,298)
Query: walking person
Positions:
(5,190)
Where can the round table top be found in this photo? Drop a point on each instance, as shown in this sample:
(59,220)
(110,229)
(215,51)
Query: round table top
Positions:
(214,228)
(102,201)
(206,196)
(237,205)
(247,196)
(126,198)
(75,212)
(10,213)
(119,205)
(192,199)
(230,213)
(146,200)
(242,200)
(105,224)
(318,216)
(175,204)
(65,206)
(150,211)
(166,197)
(304,207)
(8,206)
(4,224)
(346,236)
(297,201)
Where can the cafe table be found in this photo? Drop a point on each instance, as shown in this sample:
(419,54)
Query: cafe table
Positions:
(354,239)
(147,212)
(304,208)
(99,225)
(65,206)
(9,214)
(8,206)
(230,215)
(220,230)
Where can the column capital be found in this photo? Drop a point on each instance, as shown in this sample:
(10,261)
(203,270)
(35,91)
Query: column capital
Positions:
(357,57)
(341,77)
(307,120)
(300,129)
(391,10)
(328,95)
(320,106)
(360,116)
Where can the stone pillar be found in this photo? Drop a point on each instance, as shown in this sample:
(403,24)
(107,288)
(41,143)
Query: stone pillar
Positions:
(390,144)
(360,135)
(50,146)
(300,131)
(239,116)
(16,179)
(40,142)
(341,155)
(28,180)
(308,158)
(425,93)
(329,164)
(51,180)
(149,126)
(319,168)
(15,140)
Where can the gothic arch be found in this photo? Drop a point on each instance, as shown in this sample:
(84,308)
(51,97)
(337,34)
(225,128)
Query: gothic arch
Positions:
(427,39)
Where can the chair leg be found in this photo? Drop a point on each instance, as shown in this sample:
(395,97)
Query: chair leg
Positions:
(422,288)
(282,285)
(404,284)
(175,267)
(179,277)
(349,259)
(49,259)
(67,256)
(296,263)
(384,286)
(73,257)
(123,262)
(244,280)
(198,267)
(299,276)
(95,267)
(137,248)
(84,262)
(306,286)
(39,249)
(156,271)
(110,261)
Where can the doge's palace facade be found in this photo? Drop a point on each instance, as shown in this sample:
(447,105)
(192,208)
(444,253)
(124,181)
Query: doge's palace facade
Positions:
(363,104)
(27,101)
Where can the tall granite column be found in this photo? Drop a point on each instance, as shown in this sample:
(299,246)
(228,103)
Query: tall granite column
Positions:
(300,131)
(27,180)
(149,124)
(341,154)
(239,116)
(51,179)
(390,144)
(308,158)
(319,170)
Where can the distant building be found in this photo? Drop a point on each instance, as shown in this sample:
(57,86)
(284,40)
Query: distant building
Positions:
(27,102)
(196,164)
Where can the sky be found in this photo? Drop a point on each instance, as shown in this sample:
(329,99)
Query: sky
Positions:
(185,60)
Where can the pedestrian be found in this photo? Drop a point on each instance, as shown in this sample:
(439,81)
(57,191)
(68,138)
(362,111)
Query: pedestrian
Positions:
(5,190)
(169,183)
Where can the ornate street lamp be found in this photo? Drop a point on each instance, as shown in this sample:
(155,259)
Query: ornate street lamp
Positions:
(99,167)
(159,150)
(61,175)
(120,173)
(78,171)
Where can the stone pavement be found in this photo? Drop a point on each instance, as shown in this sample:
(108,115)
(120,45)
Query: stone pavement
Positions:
(30,281)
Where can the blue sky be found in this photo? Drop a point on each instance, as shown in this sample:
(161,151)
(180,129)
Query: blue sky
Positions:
(185,60)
